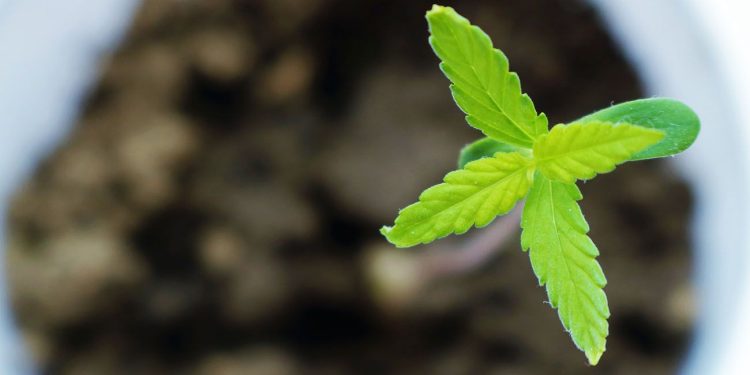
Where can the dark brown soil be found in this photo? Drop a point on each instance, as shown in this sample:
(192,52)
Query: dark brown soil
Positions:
(216,209)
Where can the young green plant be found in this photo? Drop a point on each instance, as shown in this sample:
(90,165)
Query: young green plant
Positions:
(520,157)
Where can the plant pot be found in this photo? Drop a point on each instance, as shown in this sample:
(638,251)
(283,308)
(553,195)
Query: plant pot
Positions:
(665,41)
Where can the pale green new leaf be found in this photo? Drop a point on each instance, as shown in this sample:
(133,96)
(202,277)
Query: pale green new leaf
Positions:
(468,197)
(563,258)
(584,149)
(482,85)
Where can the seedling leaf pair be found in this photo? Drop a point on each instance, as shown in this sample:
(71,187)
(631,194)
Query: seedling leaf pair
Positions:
(521,158)
(678,122)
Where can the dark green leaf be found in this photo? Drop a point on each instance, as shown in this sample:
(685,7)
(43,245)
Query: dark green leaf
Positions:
(482,148)
(678,122)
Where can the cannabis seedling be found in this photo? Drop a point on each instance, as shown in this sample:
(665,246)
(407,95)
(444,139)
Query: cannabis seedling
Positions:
(522,157)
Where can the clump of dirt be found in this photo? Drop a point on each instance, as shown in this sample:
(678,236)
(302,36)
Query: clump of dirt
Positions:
(216,209)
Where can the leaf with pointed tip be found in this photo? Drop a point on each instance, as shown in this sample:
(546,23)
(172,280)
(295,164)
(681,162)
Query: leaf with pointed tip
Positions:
(482,85)
(520,154)
(482,148)
(678,122)
(468,197)
(563,258)
(584,149)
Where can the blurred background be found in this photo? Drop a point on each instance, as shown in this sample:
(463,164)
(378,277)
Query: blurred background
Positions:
(215,205)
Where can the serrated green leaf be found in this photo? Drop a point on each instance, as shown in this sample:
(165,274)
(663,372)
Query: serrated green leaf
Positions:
(482,85)
(520,154)
(482,148)
(678,122)
(468,197)
(584,149)
(564,260)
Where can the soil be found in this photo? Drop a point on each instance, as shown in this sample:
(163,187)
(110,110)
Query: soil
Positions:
(216,209)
